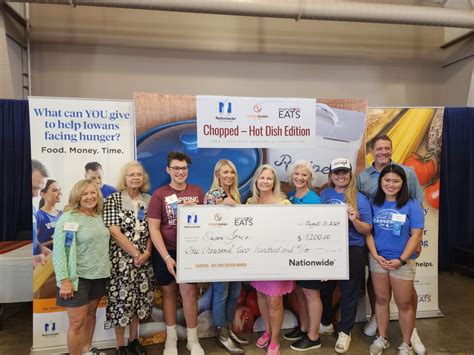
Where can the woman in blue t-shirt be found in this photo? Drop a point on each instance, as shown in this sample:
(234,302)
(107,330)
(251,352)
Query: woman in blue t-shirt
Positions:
(306,336)
(48,214)
(398,225)
(342,190)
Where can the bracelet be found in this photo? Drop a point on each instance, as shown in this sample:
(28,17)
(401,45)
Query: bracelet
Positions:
(166,257)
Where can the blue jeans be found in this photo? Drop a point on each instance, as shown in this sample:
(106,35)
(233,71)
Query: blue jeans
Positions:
(224,302)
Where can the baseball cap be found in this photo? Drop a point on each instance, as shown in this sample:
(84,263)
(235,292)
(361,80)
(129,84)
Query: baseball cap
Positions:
(340,164)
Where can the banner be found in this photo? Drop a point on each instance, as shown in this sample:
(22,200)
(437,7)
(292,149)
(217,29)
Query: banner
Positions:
(167,123)
(416,143)
(255,122)
(68,136)
(220,243)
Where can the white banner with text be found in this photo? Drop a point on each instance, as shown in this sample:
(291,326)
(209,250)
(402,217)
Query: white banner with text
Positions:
(255,122)
(66,136)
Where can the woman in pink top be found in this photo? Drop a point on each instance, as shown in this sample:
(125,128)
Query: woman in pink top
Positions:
(266,190)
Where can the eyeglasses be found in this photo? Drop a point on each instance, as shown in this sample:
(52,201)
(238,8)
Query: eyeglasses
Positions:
(135,175)
(177,169)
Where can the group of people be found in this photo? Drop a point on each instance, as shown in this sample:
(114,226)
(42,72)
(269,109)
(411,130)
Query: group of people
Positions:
(50,193)
(119,247)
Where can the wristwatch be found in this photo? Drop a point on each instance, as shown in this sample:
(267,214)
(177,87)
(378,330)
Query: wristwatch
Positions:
(402,261)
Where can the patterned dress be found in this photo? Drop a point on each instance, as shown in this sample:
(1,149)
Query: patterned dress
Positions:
(130,290)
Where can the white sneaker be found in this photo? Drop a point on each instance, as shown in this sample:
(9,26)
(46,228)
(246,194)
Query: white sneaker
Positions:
(326,329)
(343,342)
(370,328)
(416,343)
(379,345)
(195,348)
(171,346)
(405,349)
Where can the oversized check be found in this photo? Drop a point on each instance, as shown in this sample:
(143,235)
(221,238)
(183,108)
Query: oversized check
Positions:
(257,242)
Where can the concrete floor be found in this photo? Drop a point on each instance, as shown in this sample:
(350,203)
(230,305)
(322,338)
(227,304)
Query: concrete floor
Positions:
(452,334)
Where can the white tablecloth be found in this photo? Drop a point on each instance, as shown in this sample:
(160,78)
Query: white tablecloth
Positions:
(16,275)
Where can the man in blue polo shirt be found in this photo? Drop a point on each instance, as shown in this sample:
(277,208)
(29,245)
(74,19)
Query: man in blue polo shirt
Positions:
(381,151)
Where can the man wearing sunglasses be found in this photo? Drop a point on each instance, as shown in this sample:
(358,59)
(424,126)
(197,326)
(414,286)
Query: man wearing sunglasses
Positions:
(162,221)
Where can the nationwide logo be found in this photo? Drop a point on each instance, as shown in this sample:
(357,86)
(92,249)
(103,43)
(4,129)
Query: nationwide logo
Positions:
(192,218)
(192,221)
(289,112)
(49,329)
(225,107)
(225,111)
(243,221)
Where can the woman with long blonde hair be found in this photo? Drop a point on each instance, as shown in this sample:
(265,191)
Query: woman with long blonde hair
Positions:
(225,190)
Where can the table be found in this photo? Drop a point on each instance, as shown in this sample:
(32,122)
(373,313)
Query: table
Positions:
(16,274)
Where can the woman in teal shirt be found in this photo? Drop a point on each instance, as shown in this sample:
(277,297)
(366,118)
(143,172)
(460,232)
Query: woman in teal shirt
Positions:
(81,263)
(306,336)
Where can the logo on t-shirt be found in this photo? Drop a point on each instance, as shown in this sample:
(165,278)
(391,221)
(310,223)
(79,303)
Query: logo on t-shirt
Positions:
(384,219)
(334,201)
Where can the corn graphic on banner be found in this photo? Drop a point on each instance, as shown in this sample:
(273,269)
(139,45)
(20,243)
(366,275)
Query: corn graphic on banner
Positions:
(66,134)
(415,133)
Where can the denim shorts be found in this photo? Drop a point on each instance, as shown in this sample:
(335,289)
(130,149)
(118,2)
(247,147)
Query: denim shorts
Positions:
(405,272)
(87,290)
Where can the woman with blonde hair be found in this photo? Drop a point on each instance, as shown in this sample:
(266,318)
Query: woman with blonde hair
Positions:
(131,286)
(306,336)
(81,263)
(342,190)
(225,190)
(266,191)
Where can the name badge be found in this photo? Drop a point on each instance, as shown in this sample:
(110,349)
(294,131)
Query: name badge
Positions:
(71,226)
(171,199)
(398,217)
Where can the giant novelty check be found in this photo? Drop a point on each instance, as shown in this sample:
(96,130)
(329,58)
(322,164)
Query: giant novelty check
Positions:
(255,242)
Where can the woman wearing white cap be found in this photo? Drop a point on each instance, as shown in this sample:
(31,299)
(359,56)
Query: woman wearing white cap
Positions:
(342,190)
